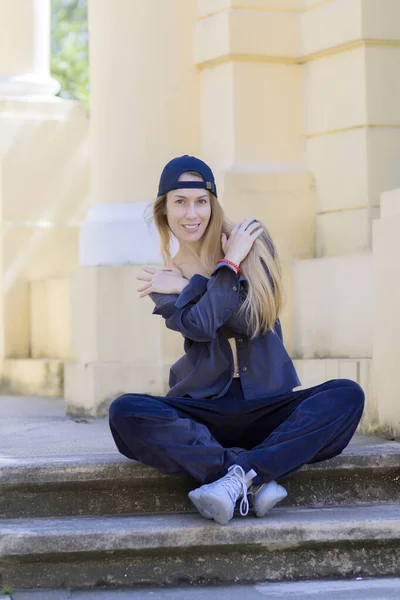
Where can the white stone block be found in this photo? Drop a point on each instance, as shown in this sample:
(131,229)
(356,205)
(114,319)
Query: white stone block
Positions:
(390,203)
(315,372)
(109,320)
(382,84)
(329,25)
(49,318)
(32,377)
(344,233)
(340,164)
(332,308)
(386,321)
(381,20)
(352,168)
(90,388)
(209,7)
(383,147)
(334,89)
(243,33)
(348,369)
(117,234)
(27,85)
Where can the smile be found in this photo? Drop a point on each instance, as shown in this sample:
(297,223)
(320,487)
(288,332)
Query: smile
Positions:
(191,227)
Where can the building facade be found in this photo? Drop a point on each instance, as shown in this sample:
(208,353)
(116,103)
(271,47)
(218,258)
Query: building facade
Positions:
(294,104)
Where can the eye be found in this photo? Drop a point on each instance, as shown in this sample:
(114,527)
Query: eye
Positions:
(203,200)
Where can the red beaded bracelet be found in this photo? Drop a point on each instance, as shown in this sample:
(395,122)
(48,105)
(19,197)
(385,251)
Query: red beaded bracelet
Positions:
(229,262)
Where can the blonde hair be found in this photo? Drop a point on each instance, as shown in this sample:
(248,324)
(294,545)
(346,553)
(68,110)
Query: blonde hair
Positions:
(261,267)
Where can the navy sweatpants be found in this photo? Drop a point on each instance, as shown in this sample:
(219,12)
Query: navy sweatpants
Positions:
(201,437)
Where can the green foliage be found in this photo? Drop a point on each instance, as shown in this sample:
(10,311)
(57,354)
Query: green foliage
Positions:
(69,61)
(7,590)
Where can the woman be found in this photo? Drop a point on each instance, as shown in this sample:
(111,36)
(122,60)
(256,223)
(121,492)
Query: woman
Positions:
(230,418)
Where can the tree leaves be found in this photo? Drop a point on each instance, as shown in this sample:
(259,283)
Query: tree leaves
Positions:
(69,61)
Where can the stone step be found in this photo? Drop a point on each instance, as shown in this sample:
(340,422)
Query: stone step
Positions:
(32,376)
(365,589)
(176,550)
(366,472)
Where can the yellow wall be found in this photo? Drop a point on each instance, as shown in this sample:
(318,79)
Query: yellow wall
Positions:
(294,103)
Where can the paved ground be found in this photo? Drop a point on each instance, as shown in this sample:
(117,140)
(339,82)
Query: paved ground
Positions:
(37,427)
(383,589)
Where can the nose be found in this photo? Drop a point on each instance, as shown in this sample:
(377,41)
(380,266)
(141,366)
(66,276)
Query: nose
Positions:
(191,211)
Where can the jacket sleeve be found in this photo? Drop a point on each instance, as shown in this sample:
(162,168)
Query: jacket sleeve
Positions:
(239,325)
(203,306)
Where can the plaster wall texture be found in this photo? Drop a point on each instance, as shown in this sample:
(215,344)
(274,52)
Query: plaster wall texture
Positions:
(294,105)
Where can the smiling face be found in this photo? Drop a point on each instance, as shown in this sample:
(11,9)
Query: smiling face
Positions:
(188,213)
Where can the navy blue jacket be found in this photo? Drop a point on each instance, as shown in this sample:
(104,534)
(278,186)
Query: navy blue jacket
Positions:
(202,313)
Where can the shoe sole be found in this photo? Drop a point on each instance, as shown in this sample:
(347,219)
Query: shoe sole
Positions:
(211,507)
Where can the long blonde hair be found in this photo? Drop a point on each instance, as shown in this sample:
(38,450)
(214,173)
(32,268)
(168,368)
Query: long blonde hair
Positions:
(261,267)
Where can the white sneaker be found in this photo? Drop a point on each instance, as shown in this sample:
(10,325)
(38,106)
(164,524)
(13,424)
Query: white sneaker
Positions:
(265,496)
(217,500)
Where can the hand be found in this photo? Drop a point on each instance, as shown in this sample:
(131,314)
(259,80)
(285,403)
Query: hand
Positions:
(163,281)
(172,269)
(241,239)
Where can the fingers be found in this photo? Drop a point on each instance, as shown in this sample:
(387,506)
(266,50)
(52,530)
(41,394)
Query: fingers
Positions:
(257,233)
(244,225)
(247,222)
(255,228)
(151,270)
(144,277)
(144,291)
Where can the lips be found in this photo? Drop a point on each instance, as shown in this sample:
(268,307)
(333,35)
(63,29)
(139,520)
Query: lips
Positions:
(191,227)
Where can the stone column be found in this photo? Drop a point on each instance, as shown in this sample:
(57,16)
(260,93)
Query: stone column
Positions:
(144,111)
(350,52)
(386,315)
(25,48)
(31,120)
(251,121)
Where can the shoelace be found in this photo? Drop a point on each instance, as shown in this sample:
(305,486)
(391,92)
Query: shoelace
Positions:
(236,484)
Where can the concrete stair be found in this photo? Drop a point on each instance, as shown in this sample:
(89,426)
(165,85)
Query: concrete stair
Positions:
(176,549)
(103,521)
(99,485)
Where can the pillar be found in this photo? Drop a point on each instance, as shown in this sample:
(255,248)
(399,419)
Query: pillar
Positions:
(28,117)
(25,48)
(252,121)
(350,51)
(386,315)
(43,185)
(144,111)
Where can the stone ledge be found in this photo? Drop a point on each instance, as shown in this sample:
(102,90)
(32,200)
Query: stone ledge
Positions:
(288,527)
(189,550)
(379,456)
(32,376)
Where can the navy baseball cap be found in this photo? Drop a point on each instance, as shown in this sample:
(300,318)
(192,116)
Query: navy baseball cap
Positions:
(174,169)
